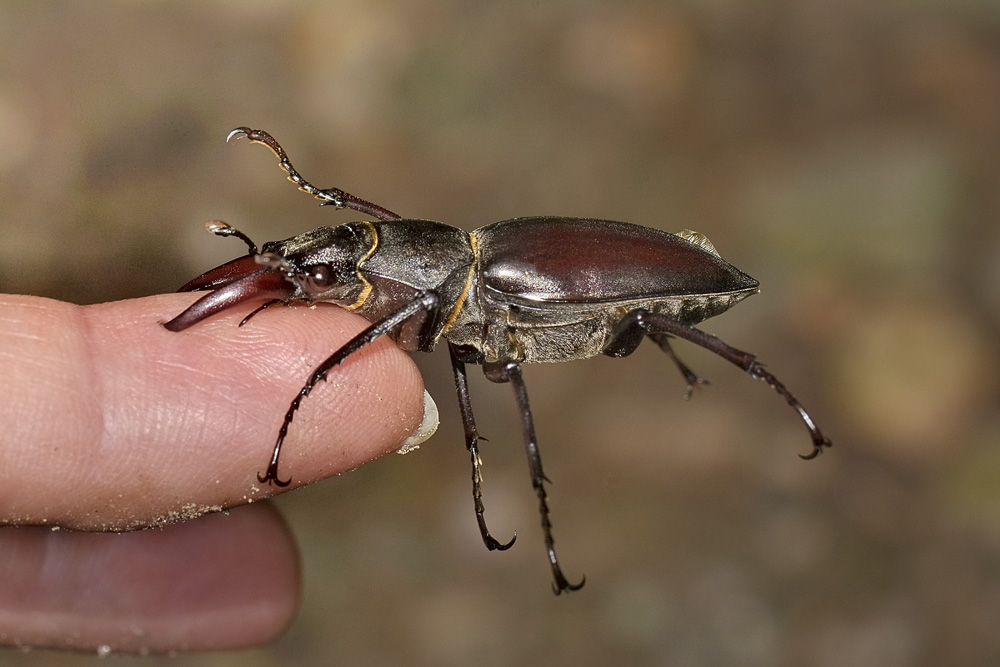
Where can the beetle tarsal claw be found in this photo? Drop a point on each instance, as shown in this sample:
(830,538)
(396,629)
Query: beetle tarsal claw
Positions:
(562,585)
(495,545)
(272,476)
(238,133)
(818,446)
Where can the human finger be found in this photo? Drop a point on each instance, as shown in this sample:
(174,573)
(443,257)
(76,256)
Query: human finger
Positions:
(111,422)
(222,581)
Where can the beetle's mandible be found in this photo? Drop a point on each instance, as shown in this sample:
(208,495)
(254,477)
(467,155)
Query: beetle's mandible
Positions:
(513,292)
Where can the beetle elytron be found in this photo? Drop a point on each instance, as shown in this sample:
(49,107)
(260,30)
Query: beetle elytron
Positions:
(522,290)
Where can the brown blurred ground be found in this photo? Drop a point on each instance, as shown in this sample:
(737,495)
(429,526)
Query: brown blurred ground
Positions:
(843,153)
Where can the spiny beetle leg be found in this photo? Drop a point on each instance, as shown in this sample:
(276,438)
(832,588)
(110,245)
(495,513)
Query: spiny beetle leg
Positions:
(472,439)
(328,196)
(511,372)
(693,379)
(424,301)
(628,334)
(659,323)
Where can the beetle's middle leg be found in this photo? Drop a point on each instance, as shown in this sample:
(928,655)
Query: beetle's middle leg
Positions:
(658,323)
(628,334)
(510,371)
(472,439)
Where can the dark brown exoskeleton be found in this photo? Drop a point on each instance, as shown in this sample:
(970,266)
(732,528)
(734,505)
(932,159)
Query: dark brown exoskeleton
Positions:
(513,292)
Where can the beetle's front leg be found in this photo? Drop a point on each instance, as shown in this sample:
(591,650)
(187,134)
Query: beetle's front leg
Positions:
(658,323)
(472,439)
(424,301)
(510,371)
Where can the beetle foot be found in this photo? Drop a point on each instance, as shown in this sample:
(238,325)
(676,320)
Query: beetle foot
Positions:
(562,585)
(819,444)
(256,136)
(238,133)
(694,382)
(272,476)
(495,545)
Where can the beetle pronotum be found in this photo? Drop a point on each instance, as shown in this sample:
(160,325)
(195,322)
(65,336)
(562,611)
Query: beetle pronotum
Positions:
(517,291)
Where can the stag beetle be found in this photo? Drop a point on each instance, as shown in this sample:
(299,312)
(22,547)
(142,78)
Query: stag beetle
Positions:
(517,291)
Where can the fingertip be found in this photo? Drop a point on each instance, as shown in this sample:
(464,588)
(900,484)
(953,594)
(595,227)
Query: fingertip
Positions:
(225,581)
(147,425)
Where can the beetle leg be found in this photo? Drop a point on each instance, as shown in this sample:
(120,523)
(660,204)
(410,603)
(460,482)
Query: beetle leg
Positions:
(424,301)
(659,323)
(258,309)
(693,379)
(625,338)
(628,334)
(328,196)
(510,371)
(472,439)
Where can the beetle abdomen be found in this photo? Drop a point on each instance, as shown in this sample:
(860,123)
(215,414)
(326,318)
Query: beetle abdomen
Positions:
(581,260)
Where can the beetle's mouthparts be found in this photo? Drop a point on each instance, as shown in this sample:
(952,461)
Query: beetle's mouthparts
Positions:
(232,283)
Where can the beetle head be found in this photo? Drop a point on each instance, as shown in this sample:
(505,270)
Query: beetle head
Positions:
(319,265)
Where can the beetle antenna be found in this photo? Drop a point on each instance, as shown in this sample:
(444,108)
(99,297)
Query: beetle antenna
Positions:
(328,196)
(220,228)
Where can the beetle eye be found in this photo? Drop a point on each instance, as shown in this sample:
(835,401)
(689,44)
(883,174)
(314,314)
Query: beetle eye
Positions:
(320,278)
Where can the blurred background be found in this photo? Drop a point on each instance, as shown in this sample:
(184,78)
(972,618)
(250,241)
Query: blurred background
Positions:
(843,152)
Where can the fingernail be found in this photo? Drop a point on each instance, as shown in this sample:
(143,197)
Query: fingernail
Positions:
(426,429)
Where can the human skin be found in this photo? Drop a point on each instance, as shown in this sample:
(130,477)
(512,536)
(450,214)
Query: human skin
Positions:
(111,423)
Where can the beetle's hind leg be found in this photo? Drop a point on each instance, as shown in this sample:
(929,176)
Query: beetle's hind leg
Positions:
(328,196)
(692,379)
(658,323)
(510,371)
(472,439)
(628,334)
